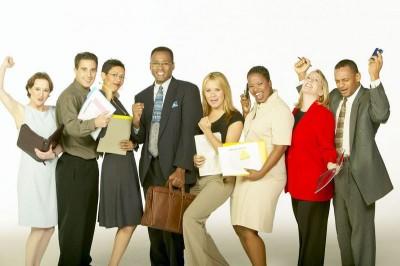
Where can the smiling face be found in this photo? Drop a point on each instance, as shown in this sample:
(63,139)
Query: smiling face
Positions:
(114,79)
(259,87)
(39,93)
(161,66)
(313,85)
(214,94)
(86,72)
(347,81)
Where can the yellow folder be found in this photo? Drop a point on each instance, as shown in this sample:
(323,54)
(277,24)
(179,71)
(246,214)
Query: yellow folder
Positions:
(118,129)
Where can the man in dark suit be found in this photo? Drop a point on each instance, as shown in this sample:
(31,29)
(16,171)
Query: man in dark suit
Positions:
(165,121)
(363,178)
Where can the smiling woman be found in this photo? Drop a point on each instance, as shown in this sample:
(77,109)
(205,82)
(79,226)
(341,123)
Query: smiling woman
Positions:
(37,204)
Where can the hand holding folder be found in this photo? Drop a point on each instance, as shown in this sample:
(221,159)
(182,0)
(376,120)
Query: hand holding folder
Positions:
(28,140)
(117,130)
(328,175)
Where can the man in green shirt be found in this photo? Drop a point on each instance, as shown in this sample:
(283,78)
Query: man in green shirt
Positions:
(77,173)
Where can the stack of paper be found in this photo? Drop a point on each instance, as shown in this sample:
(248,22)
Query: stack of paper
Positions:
(204,148)
(96,104)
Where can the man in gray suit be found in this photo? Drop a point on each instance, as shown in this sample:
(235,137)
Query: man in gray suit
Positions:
(363,178)
(165,121)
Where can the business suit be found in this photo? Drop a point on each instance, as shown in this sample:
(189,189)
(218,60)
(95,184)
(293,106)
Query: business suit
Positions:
(363,179)
(178,124)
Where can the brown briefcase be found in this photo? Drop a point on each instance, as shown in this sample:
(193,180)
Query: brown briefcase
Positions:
(165,207)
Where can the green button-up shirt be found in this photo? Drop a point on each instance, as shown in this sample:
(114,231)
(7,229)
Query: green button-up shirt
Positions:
(76,139)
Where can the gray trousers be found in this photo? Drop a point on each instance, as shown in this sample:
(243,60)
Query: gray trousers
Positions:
(200,249)
(355,224)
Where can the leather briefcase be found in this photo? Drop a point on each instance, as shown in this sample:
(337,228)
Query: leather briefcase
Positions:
(28,140)
(165,207)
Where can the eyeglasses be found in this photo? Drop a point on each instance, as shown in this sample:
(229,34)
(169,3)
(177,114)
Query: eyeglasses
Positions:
(160,64)
(115,76)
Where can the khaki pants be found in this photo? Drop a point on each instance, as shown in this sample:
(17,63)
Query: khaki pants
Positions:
(200,249)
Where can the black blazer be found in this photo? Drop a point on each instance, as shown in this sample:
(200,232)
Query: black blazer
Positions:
(179,117)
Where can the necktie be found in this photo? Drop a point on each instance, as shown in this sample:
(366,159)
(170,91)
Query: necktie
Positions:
(340,127)
(155,122)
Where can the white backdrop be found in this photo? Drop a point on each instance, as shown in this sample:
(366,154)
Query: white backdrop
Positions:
(209,35)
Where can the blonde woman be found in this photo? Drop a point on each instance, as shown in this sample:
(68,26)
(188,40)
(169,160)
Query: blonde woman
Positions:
(312,152)
(219,115)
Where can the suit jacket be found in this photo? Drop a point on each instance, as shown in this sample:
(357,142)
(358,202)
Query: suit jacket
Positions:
(311,149)
(180,114)
(370,108)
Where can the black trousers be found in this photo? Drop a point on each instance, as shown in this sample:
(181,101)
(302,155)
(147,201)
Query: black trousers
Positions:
(166,249)
(77,182)
(312,221)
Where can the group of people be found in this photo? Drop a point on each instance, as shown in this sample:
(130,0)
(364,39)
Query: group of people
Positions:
(300,146)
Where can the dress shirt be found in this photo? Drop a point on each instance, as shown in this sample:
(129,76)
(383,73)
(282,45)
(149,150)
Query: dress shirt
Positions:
(346,126)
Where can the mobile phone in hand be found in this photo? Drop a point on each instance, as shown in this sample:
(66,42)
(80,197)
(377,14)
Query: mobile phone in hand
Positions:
(375,53)
(246,91)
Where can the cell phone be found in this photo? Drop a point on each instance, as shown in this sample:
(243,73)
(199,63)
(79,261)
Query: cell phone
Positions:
(246,91)
(375,53)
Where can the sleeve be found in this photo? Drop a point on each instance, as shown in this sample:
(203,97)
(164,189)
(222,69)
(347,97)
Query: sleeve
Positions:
(379,109)
(236,116)
(67,110)
(191,114)
(139,134)
(282,125)
(325,127)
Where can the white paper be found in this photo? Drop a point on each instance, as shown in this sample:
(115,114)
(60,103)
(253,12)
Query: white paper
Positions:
(204,148)
(235,158)
(96,104)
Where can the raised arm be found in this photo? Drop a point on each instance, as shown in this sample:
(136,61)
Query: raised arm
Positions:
(301,67)
(14,108)
(379,110)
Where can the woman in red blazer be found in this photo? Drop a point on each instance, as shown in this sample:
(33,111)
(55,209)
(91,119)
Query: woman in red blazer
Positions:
(311,153)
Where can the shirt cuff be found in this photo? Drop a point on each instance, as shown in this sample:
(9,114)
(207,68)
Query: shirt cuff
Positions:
(375,83)
(136,130)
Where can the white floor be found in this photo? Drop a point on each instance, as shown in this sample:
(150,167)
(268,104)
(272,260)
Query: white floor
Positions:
(281,245)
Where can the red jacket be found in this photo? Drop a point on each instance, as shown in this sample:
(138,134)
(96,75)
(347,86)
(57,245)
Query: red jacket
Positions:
(312,147)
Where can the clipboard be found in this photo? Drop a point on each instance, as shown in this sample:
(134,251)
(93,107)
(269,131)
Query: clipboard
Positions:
(28,140)
(328,175)
(117,130)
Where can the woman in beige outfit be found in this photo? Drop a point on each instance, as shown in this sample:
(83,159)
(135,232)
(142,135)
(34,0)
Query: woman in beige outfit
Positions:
(255,196)
(213,190)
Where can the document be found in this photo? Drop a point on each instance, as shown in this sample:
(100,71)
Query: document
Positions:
(204,148)
(234,158)
(96,104)
(328,175)
(117,130)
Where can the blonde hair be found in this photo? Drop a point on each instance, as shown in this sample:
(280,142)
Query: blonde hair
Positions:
(224,85)
(322,100)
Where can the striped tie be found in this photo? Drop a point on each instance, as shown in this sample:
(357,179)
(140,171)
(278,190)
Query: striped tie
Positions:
(155,122)
(339,127)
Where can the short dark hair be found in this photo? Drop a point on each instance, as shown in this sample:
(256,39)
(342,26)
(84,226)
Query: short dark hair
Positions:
(110,63)
(38,75)
(163,49)
(259,70)
(85,56)
(349,63)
